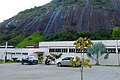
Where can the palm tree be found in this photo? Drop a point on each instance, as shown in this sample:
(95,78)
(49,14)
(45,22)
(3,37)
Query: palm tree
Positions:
(97,52)
(54,56)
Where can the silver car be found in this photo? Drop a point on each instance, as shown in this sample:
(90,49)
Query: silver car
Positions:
(29,60)
(66,62)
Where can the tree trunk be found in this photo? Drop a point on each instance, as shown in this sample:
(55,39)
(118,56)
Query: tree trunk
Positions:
(97,62)
(81,72)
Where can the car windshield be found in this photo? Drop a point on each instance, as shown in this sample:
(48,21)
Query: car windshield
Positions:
(66,58)
(30,57)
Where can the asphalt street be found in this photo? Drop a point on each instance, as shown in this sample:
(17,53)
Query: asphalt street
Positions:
(52,72)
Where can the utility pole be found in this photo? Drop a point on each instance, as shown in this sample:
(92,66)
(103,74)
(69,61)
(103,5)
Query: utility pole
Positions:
(5,54)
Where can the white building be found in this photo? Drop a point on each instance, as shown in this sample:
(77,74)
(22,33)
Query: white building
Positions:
(16,52)
(68,49)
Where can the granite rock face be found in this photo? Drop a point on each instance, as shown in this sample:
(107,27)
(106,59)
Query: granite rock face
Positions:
(59,15)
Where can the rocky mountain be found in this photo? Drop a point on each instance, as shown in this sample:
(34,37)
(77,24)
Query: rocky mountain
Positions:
(59,15)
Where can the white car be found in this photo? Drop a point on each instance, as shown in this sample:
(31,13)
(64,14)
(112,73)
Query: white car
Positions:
(66,62)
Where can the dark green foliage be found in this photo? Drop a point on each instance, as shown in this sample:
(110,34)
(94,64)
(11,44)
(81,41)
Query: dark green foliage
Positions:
(40,58)
(56,56)
(100,2)
(116,33)
(14,59)
(85,34)
(102,35)
(71,35)
(16,39)
(4,38)
(1,61)
(65,3)
(68,35)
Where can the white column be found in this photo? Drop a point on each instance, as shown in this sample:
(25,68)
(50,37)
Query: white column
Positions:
(48,49)
(117,52)
(68,49)
(116,46)
(22,54)
(75,50)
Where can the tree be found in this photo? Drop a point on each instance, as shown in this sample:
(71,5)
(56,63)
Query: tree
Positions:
(40,58)
(82,43)
(97,52)
(101,35)
(116,33)
(54,56)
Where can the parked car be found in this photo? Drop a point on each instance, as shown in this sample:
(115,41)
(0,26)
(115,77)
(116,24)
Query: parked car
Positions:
(29,60)
(66,62)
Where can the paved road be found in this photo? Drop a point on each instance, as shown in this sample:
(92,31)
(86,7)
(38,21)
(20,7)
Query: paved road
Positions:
(51,72)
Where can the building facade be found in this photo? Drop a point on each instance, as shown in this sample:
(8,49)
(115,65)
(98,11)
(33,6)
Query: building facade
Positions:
(68,49)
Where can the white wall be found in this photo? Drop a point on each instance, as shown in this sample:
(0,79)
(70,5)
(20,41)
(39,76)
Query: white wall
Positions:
(112,60)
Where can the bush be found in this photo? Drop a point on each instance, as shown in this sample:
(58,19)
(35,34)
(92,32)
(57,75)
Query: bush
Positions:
(14,59)
(40,58)
(1,61)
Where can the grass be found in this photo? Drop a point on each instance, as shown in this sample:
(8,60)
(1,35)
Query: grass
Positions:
(35,38)
(1,61)
(12,62)
(9,61)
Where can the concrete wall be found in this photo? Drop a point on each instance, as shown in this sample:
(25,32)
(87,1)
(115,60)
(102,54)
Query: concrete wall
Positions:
(112,59)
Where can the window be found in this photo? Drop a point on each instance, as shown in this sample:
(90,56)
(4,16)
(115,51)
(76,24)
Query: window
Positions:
(67,58)
(78,50)
(81,51)
(25,53)
(72,50)
(58,50)
(64,50)
(51,50)
(111,50)
(18,53)
(119,51)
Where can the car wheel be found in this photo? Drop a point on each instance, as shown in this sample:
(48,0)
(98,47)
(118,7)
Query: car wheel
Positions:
(36,62)
(59,64)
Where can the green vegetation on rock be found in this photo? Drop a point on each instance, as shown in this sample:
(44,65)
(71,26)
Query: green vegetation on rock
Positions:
(16,39)
(116,33)
(35,38)
(69,35)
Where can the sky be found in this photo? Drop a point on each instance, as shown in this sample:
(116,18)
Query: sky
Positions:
(9,8)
